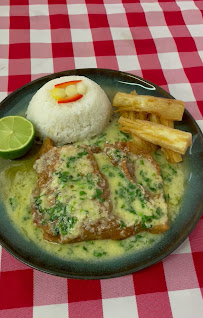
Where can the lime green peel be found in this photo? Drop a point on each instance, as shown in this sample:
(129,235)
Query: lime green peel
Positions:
(16,136)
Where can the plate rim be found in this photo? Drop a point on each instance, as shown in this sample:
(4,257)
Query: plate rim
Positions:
(8,247)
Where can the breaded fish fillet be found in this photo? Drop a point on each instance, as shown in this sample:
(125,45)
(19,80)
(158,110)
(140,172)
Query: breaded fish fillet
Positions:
(75,196)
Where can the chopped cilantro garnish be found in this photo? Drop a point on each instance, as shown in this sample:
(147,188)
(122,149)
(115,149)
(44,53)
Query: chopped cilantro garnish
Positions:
(173,170)
(82,193)
(127,136)
(122,224)
(121,174)
(111,174)
(83,153)
(98,195)
(167,197)
(12,202)
(146,219)
(99,253)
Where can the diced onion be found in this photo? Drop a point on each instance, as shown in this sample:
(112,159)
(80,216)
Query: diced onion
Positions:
(81,88)
(71,90)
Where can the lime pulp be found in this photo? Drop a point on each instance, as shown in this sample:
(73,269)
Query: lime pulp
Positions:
(16,136)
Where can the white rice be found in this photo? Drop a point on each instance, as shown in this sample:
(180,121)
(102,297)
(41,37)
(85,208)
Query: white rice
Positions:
(69,122)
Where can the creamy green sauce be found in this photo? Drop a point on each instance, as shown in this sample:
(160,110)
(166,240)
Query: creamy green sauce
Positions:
(110,135)
(174,178)
(129,200)
(17,179)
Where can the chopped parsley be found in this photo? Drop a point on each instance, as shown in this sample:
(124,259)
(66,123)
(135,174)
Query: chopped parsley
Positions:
(82,193)
(122,224)
(98,195)
(125,136)
(167,197)
(149,182)
(59,214)
(13,203)
(99,253)
(83,153)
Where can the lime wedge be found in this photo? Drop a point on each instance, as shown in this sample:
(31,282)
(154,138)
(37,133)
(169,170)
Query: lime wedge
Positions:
(16,136)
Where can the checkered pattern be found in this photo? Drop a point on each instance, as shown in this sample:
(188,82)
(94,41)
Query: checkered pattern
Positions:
(158,40)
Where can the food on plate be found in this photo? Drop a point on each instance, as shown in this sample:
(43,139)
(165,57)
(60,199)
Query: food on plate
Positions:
(83,196)
(18,179)
(70,91)
(171,156)
(94,187)
(158,134)
(69,109)
(160,111)
(17,136)
(170,109)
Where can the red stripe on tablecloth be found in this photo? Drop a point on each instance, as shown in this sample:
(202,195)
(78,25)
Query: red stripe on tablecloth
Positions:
(62,52)
(19,53)
(150,280)
(89,290)
(16,289)
(198,262)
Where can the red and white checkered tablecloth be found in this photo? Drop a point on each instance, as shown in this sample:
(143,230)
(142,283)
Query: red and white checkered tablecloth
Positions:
(161,41)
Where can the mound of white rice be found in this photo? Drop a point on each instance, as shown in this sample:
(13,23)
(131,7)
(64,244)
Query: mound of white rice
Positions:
(73,121)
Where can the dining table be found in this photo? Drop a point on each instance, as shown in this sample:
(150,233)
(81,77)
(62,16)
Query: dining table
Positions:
(158,40)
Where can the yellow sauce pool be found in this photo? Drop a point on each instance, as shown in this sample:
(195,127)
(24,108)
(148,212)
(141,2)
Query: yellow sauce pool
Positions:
(17,179)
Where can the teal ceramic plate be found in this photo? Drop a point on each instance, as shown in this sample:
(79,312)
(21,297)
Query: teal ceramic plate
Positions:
(192,205)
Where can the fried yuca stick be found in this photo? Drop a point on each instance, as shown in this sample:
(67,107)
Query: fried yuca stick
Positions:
(174,157)
(134,115)
(124,114)
(166,122)
(131,115)
(170,109)
(142,115)
(157,134)
(140,143)
(137,115)
(154,118)
(170,155)
(133,92)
